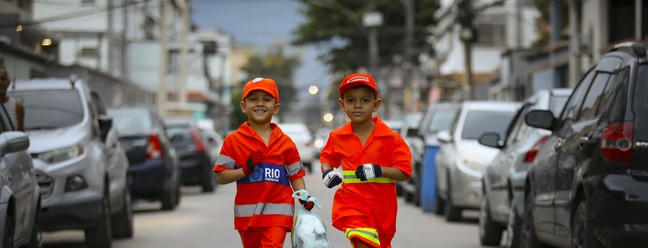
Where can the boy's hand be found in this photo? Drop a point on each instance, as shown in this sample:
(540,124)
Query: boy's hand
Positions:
(308,205)
(368,171)
(253,160)
(332,178)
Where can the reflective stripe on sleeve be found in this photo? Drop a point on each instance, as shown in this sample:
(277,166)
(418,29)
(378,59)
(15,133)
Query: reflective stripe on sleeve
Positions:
(249,210)
(226,161)
(294,168)
(368,234)
(350,177)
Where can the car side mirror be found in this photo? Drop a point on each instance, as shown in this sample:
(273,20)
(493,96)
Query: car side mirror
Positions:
(444,136)
(105,124)
(541,119)
(13,141)
(491,140)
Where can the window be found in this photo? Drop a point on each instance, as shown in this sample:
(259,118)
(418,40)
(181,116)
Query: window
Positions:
(480,121)
(50,109)
(572,106)
(491,30)
(442,120)
(173,65)
(89,52)
(592,101)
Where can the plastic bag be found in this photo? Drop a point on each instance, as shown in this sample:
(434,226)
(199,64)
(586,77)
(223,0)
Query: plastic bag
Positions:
(308,229)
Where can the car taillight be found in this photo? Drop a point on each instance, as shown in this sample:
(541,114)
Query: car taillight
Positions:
(154,148)
(616,144)
(533,152)
(197,141)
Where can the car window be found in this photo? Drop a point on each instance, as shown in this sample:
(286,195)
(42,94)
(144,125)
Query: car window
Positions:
(179,134)
(557,103)
(480,121)
(131,121)
(640,97)
(50,109)
(572,106)
(442,120)
(517,124)
(594,96)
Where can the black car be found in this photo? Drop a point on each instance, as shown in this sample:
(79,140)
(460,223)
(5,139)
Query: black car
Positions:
(194,154)
(588,186)
(153,169)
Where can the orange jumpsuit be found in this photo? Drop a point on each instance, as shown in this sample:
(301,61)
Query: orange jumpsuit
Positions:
(366,210)
(264,198)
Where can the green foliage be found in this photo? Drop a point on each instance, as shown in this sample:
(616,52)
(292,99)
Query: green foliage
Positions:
(336,27)
(274,64)
(543,6)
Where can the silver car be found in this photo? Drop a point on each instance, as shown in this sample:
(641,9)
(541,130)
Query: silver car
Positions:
(503,182)
(461,160)
(80,165)
(19,191)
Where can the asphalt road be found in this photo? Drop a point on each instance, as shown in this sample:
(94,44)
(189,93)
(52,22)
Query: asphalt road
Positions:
(206,220)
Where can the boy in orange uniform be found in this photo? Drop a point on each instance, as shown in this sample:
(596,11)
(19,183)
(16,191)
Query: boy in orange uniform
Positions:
(372,157)
(265,163)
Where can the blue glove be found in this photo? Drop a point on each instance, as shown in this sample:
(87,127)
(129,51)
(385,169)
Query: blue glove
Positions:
(368,171)
(332,178)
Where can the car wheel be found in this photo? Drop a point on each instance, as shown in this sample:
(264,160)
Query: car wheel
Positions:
(417,194)
(36,237)
(582,234)
(9,231)
(169,199)
(528,237)
(122,222)
(100,235)
(399,189)
(514,226)
(452,213)
(209,182)
(439,203)
(490,233)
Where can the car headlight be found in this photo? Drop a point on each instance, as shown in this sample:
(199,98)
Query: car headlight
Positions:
(471,164)
(61,154)
(319,143)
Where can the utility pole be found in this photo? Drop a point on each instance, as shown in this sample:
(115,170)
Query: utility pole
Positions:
(638,5)
(465,17)
(410,76)
(161,97)
(184,50)
(124,43)
(372,20)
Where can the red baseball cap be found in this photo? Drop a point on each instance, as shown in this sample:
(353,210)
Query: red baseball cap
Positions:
(357,79)
(265,84)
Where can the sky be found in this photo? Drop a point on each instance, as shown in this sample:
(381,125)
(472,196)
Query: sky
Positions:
(260,24)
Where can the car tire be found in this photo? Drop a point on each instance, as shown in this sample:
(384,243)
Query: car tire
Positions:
(528,238)
(582,234)
(122,222)
(513,226)
(9,231)
(36,236)
(439,203)
(417,194)
(169,198)
(209,182)
(451,212)
(490,233)
(100,235)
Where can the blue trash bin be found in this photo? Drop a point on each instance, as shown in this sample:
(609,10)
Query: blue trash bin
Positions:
(428,179)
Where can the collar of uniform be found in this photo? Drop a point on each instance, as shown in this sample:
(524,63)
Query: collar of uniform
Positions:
(380,129)
(247,130)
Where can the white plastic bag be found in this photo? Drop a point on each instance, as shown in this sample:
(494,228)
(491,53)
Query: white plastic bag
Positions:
(308,229)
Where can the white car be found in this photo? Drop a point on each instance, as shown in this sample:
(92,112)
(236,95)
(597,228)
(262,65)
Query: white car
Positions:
(461,160)
(304,141)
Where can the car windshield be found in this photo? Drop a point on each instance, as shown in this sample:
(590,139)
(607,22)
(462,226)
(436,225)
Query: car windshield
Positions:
(557,104)
(442,119)
(481,121)
(50,109)
(131,121)
(179,133)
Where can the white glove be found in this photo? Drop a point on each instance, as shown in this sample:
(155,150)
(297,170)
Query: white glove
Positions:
(332,178)
(366,172)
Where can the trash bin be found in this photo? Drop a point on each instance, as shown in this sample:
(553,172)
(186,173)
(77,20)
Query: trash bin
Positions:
(428,179)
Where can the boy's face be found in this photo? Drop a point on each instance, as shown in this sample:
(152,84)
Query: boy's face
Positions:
(359,104)
(259,107)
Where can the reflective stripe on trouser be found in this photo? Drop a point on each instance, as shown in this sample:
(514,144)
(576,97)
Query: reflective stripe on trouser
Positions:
(366,234)
(350,177)
(249,210)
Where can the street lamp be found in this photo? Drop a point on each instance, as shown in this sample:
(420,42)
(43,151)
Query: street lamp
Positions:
(328,117)
(313,90)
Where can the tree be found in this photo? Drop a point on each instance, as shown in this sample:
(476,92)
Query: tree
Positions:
(336,27)
(274,64)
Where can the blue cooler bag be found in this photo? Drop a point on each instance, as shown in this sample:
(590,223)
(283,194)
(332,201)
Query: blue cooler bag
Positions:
(308,230)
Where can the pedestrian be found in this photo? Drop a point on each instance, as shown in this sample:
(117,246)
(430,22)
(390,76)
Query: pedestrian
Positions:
(372,158)
(14,108)
(265,163)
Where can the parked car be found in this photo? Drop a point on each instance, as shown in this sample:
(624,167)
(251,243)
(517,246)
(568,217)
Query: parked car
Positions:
(395,125)
(438,117)
(461,160)
(410,133)
(213,141)
(153,169)
(19,190)
(304,141)
(196,162)
(80,166)
(588,184)
(503,182)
